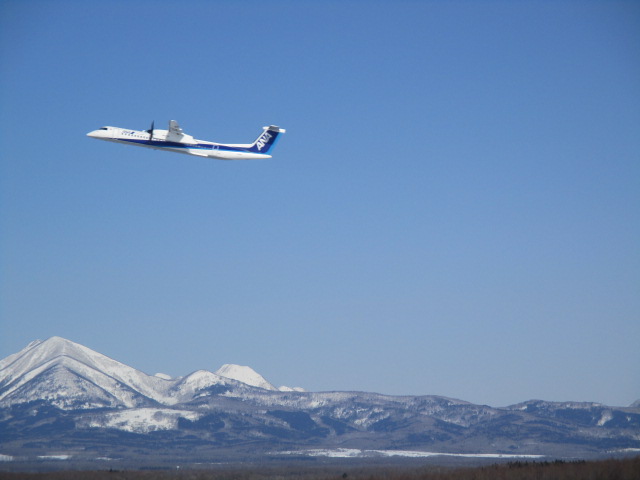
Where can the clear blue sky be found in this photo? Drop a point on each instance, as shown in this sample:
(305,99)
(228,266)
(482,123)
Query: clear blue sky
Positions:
(454,209)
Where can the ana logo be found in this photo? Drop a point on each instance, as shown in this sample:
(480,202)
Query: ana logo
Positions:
(262,141)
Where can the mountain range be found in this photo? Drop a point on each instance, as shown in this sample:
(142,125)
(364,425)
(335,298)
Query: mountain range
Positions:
(61,400)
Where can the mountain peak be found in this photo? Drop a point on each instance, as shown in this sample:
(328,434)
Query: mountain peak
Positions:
(56,339)
(39,352)
(59,345)
(244,374)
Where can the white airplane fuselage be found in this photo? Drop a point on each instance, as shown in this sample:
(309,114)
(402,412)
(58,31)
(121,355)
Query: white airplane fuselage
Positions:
(174,140)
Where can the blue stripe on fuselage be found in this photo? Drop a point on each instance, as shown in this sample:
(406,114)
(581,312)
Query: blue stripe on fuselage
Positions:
(190,146)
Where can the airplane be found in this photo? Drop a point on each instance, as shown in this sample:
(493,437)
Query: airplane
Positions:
(175,140)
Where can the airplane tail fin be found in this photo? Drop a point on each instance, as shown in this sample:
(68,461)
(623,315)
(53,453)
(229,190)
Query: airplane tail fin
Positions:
(267,139)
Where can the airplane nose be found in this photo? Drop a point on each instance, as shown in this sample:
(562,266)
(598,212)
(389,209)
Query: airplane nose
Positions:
(93,134)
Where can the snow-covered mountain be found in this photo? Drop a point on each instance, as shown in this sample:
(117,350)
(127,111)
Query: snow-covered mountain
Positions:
(71,376)
(249,376)
(57,392)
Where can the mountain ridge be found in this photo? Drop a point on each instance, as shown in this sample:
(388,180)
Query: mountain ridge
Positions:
(57,392)
(107,374)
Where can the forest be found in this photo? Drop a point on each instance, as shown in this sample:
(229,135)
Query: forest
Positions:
(610,469)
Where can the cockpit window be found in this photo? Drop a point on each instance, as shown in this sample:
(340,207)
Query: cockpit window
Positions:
(104,128)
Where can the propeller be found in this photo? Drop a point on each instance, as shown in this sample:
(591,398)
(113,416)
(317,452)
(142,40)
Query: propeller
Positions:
(151,130)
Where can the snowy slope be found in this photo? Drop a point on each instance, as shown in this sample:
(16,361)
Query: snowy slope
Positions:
(198,384)
(69,384)
(139,420)
(104,372)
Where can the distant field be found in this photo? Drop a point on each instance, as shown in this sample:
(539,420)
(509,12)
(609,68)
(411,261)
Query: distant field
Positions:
(620,469)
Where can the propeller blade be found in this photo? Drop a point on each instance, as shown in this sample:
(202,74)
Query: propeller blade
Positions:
(151,130)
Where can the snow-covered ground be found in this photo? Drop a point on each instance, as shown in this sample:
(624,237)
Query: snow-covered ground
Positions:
(357,453)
